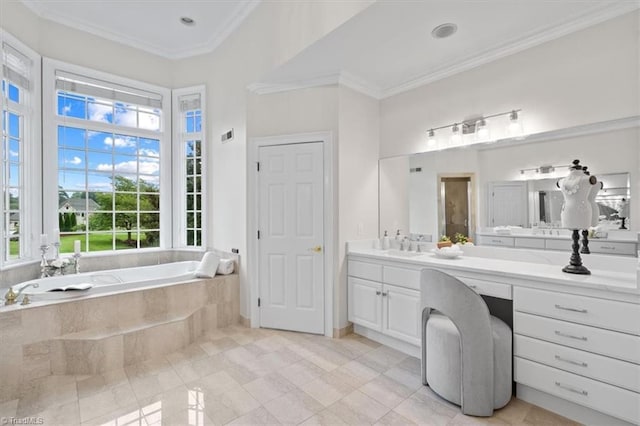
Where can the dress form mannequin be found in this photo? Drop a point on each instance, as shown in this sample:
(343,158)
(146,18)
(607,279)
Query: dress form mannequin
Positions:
(623,212)
(576,211)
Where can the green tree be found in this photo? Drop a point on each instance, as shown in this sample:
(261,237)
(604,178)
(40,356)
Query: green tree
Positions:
(62,195)
(127,211)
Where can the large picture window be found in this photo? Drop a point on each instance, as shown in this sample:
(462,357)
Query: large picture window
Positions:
(20,142)
(109,140)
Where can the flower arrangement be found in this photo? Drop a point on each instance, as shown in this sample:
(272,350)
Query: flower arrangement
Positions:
(461,238)
(444,242)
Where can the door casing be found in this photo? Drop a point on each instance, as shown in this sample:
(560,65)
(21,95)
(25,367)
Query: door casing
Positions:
(253,277)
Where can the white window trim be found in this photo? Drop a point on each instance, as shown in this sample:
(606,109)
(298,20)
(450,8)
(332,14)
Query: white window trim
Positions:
(50,146)
(179,172)
(31,172)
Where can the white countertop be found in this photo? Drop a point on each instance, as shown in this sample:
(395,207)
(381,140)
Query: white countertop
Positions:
(616,274)
(555,237)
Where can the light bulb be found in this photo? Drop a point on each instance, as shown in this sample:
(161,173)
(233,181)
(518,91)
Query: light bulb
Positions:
(515,124)
(482,130)
(431,141)
(456,137)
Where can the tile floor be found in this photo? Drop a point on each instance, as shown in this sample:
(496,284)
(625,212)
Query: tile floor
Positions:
(255,376)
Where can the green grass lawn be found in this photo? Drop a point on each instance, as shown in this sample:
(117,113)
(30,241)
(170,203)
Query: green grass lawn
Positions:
(98,242)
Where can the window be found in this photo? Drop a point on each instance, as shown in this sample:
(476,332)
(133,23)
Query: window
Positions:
(20,149)
(189,171)
(109,136)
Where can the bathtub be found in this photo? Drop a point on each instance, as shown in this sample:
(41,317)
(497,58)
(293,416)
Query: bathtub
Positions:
(114,280)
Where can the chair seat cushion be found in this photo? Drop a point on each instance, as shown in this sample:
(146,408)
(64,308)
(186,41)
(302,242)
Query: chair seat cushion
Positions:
(444,360)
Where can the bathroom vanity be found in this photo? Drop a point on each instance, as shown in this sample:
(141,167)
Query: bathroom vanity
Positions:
(576,338)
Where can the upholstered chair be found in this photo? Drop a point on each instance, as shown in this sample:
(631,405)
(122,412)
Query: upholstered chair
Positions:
(466,352)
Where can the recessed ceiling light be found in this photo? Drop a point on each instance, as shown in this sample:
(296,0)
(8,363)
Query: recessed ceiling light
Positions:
(444,30)
(187,21)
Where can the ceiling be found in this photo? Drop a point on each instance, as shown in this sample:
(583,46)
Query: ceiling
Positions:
(388,48)
(384,50)
(151,25)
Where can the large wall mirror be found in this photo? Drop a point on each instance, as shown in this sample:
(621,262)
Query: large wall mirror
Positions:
(413,196)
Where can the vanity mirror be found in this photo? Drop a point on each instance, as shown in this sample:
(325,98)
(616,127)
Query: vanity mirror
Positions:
(411,190)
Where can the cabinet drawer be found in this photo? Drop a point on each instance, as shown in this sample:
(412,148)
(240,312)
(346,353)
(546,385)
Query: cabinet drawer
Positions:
(558,244)
(488,288)
(609,314)
(367,271)
(488,240)
(535,243)
(608,399)
(409,278)
(610,343)
(628,249)
(605,369)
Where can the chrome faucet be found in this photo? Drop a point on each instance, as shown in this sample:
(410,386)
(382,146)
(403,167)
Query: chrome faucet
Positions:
(11,297)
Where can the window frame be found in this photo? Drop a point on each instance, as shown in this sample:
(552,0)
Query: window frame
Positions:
(180,137)
(50,145)
(31,159)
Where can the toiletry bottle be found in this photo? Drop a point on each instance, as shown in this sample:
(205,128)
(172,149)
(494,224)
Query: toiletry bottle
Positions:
(385,241)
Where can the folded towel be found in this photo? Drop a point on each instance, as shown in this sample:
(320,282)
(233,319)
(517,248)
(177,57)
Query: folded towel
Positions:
(226,266)
(208,266)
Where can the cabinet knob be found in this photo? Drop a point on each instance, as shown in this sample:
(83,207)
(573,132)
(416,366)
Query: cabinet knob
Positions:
(377,293)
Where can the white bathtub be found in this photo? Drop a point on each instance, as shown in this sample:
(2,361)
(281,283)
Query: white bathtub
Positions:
(109,281)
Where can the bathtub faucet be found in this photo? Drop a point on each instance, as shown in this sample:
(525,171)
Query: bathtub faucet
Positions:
(11,297)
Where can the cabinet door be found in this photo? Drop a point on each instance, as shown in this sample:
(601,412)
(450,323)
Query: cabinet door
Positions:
(401,316)
(365,303)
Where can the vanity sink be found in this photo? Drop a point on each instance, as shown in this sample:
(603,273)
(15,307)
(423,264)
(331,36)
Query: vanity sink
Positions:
(404,253)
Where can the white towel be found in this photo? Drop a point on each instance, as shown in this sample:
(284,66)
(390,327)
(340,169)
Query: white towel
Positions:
(226,266)
(208,266)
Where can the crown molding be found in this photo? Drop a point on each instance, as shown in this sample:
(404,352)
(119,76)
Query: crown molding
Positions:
(534,38)
(342,78)
(242,11)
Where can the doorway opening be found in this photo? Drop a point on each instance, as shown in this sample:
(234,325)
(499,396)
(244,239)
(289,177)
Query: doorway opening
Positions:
(456,205)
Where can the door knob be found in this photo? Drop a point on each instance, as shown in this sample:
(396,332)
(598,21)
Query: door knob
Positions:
(316,249)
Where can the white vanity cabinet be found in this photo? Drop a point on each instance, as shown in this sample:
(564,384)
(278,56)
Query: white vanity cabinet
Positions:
(583,349)
(385,299)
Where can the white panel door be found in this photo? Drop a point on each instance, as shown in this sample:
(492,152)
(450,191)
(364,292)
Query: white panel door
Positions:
(291,240)
(508,204)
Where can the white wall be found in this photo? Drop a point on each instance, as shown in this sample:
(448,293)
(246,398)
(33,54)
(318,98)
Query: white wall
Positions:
(357,181)
(584,77)
(395,195)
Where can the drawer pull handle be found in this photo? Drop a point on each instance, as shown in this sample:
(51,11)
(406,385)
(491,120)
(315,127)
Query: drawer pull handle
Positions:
(473,286)
(564,308)
(384,294)
(569,361)
(571,336)
(572,389)
(607,248)
(378,293)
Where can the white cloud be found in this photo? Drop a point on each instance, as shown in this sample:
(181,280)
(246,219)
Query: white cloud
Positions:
(99,112)
(146,152)
(126,117)
(66,109)
(75,161)
(120,142)
(14,153)
(132,167)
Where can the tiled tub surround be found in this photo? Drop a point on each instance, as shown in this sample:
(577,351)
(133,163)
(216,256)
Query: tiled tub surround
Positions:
(92,335)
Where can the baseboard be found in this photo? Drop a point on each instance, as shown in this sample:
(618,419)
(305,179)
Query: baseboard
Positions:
(245,322)
(341,332)
(565,408)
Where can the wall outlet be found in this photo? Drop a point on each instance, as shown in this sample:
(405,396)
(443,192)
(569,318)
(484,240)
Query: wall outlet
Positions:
(235,250)
(226,137)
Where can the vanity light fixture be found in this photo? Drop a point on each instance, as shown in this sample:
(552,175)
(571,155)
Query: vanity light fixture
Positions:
(432,142)
(480,126)
(543,170)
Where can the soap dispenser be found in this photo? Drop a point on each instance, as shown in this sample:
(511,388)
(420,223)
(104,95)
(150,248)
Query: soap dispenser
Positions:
(385,241)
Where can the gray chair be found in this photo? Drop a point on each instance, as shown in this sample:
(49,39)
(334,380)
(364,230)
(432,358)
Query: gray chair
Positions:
(466,352)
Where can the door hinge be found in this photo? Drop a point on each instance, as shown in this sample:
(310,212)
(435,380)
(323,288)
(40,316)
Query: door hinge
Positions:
(257,165)
(258,234)
(258,302)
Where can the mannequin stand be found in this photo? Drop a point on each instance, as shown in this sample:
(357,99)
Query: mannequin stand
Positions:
(622,226)
(585,242)
(575,262)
